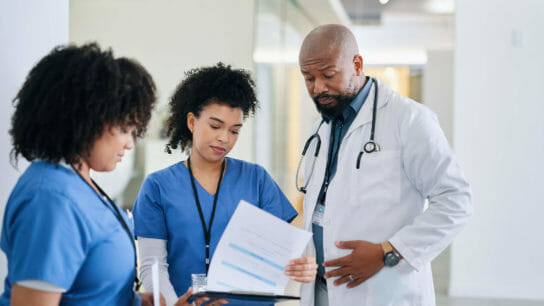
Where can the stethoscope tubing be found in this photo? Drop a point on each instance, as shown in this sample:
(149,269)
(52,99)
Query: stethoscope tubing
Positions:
(369,147)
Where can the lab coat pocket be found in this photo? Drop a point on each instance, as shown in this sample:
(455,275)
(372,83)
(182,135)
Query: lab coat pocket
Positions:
(394,286)
(377,181)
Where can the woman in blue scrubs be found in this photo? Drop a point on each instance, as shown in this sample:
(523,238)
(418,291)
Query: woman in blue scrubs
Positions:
(65,240)
(187,206)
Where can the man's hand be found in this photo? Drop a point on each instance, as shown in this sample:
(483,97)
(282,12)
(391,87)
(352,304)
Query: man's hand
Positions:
(355,268)
(302,269)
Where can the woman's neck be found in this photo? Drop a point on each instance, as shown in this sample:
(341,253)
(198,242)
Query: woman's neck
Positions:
(205,172)
(200,165)
(85,171)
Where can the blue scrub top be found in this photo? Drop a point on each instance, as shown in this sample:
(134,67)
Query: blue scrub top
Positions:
(166,209)
(57,229)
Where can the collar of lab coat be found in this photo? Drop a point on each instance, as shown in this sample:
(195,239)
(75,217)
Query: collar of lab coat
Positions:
(365,113)
(364,116)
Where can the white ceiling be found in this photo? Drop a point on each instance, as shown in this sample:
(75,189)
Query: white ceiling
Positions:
(371,11)
(400,32)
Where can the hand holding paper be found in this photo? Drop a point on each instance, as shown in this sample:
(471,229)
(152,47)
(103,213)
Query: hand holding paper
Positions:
(253,251)
(303,269)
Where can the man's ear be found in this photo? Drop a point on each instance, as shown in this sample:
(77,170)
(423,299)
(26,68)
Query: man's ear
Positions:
(358,64)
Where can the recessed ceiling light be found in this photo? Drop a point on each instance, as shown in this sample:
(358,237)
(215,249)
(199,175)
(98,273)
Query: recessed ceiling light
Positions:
(383,2)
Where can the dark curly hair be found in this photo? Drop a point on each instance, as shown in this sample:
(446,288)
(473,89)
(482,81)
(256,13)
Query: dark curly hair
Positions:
(71,96)
(202,87)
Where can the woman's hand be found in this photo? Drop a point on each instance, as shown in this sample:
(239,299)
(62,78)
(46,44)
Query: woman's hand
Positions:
(182,301)
(147,299)
(302,269)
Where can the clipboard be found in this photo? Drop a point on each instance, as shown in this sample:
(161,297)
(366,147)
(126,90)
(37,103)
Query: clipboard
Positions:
(247,296)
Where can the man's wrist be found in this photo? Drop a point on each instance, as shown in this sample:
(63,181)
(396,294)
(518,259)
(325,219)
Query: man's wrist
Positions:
(386,247)
(390,255)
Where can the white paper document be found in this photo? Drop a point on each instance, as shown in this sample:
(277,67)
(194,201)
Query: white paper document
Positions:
(253,252)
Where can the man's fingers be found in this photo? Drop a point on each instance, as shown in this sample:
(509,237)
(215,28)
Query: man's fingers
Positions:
(341,280)
(356,283)
(341,261)
(337,272)
(352,244)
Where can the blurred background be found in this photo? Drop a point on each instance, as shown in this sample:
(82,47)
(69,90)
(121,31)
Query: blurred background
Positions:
(477,64)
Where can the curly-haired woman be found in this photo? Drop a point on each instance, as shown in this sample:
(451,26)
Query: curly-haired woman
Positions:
(65,240)
(207,113)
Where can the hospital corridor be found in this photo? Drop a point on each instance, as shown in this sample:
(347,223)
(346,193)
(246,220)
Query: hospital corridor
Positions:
(392,147)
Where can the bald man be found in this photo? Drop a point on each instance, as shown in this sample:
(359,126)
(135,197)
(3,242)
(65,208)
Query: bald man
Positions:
(381,157)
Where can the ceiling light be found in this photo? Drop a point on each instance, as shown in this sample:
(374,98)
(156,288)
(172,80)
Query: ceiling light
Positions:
(383,2)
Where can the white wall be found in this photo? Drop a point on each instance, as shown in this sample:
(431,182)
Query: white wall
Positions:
(437,94)
(498,136)
(438,87)
(29,29)
(170,37)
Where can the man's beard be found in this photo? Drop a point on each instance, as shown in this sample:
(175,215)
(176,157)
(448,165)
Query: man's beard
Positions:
(342,101)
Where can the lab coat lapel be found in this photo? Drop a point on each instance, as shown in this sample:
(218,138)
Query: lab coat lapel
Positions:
(365,113)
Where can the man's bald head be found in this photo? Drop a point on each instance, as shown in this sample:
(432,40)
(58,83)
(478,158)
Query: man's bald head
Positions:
(331,39)
(332,68)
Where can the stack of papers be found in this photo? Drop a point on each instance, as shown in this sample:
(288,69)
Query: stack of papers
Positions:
(253,252)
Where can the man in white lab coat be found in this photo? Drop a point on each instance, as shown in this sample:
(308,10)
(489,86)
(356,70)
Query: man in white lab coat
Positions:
(365,201)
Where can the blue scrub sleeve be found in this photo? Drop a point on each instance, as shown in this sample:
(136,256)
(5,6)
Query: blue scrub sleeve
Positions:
(149,217)
(49,240)
(274,201)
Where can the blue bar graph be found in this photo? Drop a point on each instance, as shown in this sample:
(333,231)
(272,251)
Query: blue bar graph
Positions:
(267,261)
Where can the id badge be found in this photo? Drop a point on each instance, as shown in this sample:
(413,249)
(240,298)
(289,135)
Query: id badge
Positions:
(317,217)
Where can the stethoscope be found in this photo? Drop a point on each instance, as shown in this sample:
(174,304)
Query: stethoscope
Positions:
(369,147)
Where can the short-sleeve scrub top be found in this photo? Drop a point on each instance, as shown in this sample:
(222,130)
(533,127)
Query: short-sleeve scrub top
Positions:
(57,229)
(166,209)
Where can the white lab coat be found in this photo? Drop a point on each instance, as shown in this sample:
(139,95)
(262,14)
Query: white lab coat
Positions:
(385,200)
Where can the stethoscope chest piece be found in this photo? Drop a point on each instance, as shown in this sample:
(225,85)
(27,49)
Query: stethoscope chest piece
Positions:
(371,147)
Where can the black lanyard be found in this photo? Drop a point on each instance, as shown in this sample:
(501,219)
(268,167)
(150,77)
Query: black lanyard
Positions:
(115,211)
(207,232)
